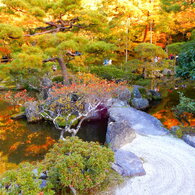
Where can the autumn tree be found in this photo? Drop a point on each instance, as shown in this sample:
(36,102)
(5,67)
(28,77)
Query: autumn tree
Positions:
(68,106)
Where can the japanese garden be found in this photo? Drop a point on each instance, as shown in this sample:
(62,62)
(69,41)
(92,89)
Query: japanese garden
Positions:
(97,97)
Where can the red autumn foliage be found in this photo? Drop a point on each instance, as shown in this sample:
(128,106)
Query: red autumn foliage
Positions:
(16,98)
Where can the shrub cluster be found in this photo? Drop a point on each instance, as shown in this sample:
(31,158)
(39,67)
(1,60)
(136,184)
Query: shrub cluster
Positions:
(70,163)
(112,73)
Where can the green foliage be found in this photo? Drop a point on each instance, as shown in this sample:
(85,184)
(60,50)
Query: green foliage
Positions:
(179,133)
(148,51)
(143,82)
(99,47)
(38,8)
(182,130)
(111,72)
(192,35)
(188,46)
(186,64)
(70,163)
(175,48)
(185,104)
(57,79)
(82,165)
(27,77)
(75,68)
(176,5)
(62,122)
(20,180)
(132,65)
(8,31)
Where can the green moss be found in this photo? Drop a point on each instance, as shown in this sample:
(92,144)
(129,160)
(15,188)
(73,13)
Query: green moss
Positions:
(184,130)
(179,133)
(62,122)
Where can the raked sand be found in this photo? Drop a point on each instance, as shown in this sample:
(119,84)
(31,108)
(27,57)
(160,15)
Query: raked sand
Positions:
(169,164)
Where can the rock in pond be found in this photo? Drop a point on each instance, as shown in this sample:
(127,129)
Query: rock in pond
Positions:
(128,164)
(155,94)
(118,134)
(32,112)
(141,122)
(140,103)
(189,139)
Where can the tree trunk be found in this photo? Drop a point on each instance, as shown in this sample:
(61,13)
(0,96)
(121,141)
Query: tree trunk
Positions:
(63,70)
(62,66)
(145,33)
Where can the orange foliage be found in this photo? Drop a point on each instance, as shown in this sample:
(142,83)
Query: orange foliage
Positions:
(91,87)
(4,51)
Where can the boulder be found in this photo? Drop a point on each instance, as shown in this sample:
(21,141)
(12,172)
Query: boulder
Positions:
(118,134)
(167,72)
(136,93)
(46,84)
(141,122)
(140,103)
(124,94)
(32,111)
(128,164)
(189,139)
(101,112)
(155,93)
(43,183)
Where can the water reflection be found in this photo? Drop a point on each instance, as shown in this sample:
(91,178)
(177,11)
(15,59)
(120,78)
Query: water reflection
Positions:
(20,141)
(169,90)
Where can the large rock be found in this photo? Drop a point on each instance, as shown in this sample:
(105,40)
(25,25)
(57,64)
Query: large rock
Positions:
(189,139)
(118,134)
(141,122)
(136,93)
(167,72)
(124,94)
(140,103)
(46,84)
(101,112)
(155,94)
(128,164)
(32,111)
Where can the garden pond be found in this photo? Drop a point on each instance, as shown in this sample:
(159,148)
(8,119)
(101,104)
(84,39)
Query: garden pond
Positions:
(21,141)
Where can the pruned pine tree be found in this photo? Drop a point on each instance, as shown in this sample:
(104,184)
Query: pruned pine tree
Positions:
(60,32)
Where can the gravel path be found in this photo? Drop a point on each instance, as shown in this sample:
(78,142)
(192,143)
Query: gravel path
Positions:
(169,164)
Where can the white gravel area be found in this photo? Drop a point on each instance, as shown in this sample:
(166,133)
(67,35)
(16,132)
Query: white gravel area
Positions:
(169,164)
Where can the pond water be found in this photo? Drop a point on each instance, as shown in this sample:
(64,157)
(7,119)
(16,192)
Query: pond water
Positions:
(169,89)
(21,141)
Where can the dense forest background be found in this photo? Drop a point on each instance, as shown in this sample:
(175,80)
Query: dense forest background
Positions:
(79,35)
